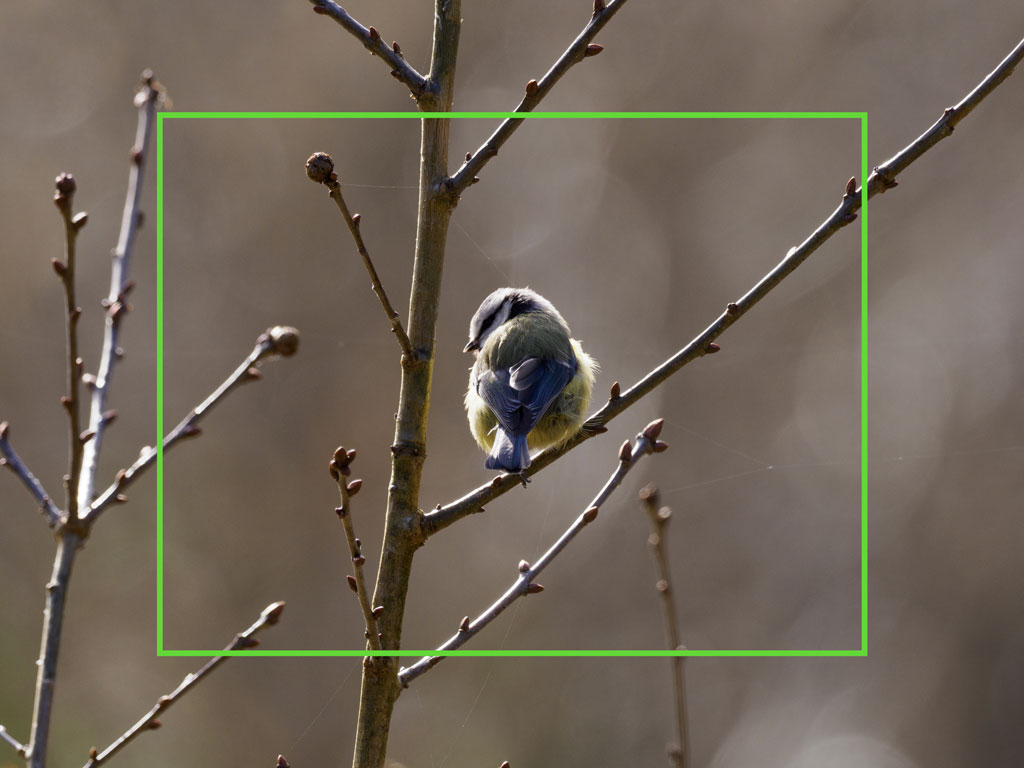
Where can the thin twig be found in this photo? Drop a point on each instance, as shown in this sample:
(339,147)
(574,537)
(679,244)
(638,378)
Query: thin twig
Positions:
(277,341)
(20,748)
(148,722)
(12,461)
(63,198)
(646,442)
(72,533)
(320,168)
(417,84)
(880,180)
(536,90)
(116,303)
(340,471)
(678,753)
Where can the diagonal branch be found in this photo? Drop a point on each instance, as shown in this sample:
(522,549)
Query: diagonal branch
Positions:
(417,84)
(279,340)
(879,180)
(148,722)
(11,460)
(116,303)
(340,471)
(18,747)
(320,168)
(536,90)
(646,442)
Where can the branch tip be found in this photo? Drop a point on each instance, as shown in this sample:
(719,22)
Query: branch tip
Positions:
(319,165)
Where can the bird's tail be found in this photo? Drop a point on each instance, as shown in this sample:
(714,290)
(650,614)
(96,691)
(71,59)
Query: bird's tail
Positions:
(509,454)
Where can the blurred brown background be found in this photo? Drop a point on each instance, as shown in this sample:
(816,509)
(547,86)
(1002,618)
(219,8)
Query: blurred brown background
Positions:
(639,231)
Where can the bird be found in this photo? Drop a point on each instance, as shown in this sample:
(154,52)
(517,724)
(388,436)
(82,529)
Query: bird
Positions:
(531,383)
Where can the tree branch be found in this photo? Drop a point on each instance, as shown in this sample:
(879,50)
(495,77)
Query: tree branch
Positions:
(357,582)
(879,180)
(11,460)
(70,539)
(418,85)
(63,198)
(320,168)
(402,537)
(646,442)
(279,340)
(18,747)
(536,90)
(678,753)
(116,303)
(148,722)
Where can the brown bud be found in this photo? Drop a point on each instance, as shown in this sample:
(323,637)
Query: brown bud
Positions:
(272,611)
(65,184)
(154,725)
(374,34)
(592,50)
(121,498)
(358,560)
(531,88)
(469,156)
(396,47)
(615,391)
(851,186)
(523,566)
(109,417)
(79,220)
(505,765)
(281,762)
(191,431)
(533,589)
(712,348)
(626,451)
(354,486)
(285,340)
(661,586)
(340,511)
(649,494)
(356,218)
(319,9)
(660,446)
(252,373)
(319,165)
(732,308)
(464,624)
(653,430)
(590,515)
(59,267)
(3,430)
(599,6)
(378,611)
(93,753)
(353,585)
(87,435)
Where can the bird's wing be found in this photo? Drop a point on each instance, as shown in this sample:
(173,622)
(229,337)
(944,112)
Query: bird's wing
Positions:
(519,396)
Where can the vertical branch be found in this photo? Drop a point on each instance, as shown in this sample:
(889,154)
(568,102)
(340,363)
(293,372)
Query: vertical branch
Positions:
(53,619)
(679,753)
(116,302)
(402,534)
(63,198)
(340,470)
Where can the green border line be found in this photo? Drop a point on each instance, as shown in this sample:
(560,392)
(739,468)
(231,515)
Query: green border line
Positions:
(757,653)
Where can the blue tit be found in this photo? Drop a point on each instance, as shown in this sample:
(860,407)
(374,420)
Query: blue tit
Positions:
(531,383)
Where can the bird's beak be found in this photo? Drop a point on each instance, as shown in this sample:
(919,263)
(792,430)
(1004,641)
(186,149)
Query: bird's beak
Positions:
(471,346)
